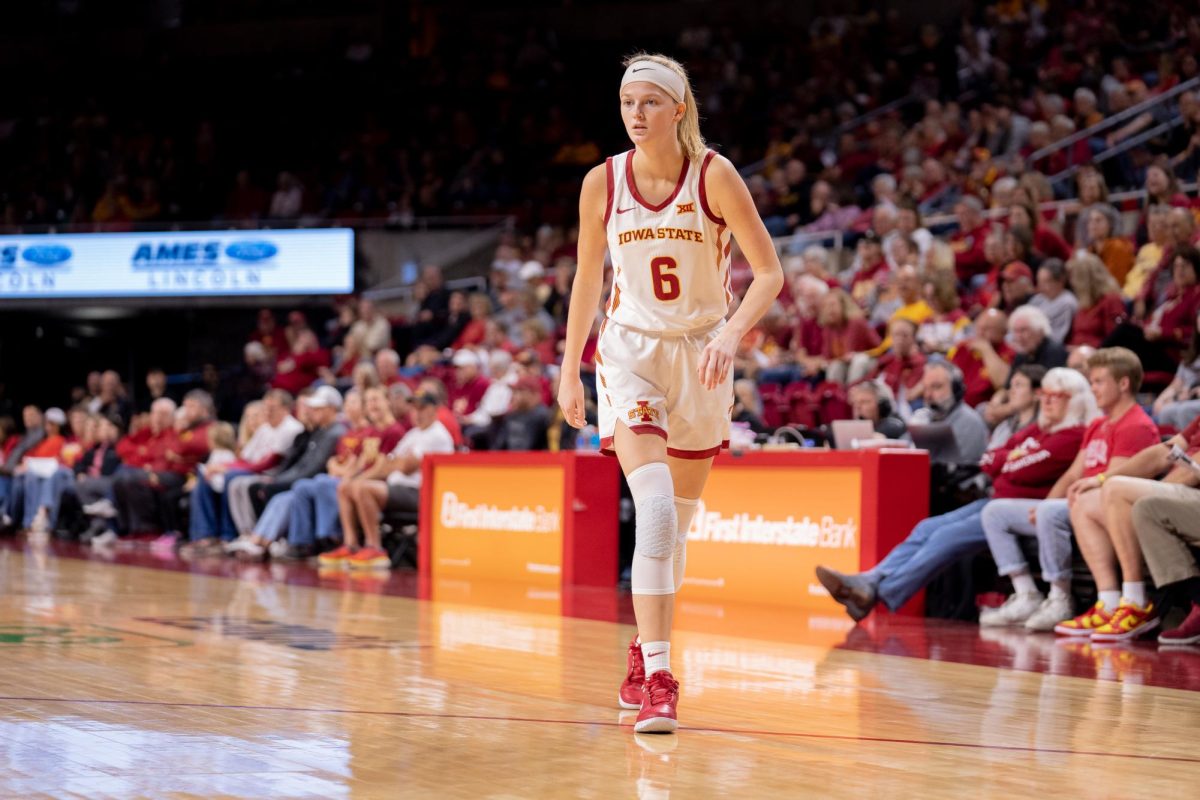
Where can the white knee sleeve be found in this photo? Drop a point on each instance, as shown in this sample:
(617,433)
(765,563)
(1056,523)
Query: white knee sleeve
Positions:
(685,509)
(656,529)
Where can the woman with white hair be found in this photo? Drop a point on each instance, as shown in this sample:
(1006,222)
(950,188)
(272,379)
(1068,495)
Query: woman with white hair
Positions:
(1067,406)
(1022,470)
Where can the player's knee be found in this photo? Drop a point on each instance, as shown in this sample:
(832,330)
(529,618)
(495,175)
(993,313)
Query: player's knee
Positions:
(654,503)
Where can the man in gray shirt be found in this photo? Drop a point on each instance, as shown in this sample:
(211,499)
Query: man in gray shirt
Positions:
(1053,298)
(964,433)
(249,495)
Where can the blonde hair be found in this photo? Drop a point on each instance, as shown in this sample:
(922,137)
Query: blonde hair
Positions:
(1120,363)
(253,412)
(850,309)
(688,130)
(221,436)
(1090,279)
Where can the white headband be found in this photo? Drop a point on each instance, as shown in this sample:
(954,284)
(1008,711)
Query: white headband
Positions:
(664,78)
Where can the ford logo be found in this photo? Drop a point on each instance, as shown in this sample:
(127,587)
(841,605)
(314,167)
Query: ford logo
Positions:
(46,255)
(251,251)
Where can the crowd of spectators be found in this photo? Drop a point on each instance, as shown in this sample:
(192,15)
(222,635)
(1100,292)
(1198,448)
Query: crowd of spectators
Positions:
(1038,351)
(499,119)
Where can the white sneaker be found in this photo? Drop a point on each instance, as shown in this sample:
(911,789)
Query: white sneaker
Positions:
(251,550)
(101,508)
(1051,612)
(236,546)
(1016,609)
(41,522)
(278,548)
(104,540)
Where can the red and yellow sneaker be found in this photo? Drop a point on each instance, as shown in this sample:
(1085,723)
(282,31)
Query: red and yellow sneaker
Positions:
(659,699)
(630,695)
(335,558)
(370,558)
(1085,623)
(1130,622)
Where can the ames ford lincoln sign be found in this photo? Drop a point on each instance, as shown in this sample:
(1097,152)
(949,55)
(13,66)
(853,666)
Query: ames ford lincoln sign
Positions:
(177,264)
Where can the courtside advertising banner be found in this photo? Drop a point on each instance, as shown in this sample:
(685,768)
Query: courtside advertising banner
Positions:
(177,264)
(760,532)
(498,522)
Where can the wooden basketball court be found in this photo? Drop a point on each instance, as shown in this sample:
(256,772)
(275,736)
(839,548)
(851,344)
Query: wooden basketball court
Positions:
(130,681)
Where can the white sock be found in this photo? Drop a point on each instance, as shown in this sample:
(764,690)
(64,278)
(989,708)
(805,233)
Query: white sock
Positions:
(1111,599)
(1023,583)
(657,656)
(685,509)
(1060,589)
(1135,591)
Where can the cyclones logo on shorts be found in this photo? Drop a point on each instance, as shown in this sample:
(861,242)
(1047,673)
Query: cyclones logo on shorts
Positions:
(643,412)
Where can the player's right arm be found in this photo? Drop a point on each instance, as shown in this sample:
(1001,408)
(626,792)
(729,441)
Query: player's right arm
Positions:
(585,292)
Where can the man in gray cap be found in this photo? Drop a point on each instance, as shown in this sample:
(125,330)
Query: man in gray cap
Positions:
(249,495)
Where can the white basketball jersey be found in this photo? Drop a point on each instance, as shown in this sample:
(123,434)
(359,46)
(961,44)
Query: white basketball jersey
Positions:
(670,261)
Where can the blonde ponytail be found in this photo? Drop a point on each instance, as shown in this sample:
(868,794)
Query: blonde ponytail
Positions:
(688,130)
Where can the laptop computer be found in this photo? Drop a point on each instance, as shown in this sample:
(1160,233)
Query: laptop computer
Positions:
(846,432)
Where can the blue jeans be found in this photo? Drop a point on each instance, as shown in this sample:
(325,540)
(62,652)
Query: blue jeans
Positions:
(274,520)
(314,510)
(6,488)
(1005,520)
(933,545)
(46,492)
(209,510)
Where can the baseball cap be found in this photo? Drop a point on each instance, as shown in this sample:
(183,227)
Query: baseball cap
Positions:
(871,236)
(325,397)
(425,399)
(1015,270)
(531,270)
(465,358)
(400,388)
(56,416)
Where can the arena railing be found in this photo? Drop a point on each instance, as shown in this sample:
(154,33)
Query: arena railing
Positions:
(1111,122)
(795,243)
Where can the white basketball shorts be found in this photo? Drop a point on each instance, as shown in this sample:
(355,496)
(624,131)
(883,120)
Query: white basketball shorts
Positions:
(650,382)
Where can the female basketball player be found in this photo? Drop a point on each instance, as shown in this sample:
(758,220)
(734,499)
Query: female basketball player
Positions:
(666,211)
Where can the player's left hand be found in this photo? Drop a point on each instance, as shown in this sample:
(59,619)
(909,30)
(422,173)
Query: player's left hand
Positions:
(717,360)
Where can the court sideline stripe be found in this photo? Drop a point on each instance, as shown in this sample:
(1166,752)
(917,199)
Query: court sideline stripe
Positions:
(733,731)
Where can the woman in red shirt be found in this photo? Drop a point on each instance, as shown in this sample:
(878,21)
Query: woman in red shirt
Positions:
(1101,307)
(845,338)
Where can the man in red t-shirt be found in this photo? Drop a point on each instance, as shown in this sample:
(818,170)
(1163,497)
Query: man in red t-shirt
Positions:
(986,359)
(1113,446)
(902,366)
(967,241)
(1119,490)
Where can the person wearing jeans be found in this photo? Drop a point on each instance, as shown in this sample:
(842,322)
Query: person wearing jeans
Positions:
(1110,441)
(1050,521)
(1024,468)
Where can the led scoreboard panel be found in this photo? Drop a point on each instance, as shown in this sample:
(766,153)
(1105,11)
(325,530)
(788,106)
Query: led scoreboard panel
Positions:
(177,264)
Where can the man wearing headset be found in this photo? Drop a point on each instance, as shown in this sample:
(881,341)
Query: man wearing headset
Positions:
(943,396)
(873,401)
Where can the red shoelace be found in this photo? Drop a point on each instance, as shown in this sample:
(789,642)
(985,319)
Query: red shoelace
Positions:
(660,687)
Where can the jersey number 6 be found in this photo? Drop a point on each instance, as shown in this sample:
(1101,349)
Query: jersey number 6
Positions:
(666,284)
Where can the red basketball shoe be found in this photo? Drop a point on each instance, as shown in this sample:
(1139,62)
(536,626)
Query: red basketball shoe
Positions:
(659,699)
(630,695)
